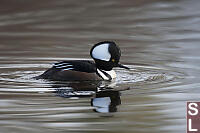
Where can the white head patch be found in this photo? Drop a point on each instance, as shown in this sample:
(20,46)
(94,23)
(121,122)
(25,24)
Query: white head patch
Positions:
(101,52)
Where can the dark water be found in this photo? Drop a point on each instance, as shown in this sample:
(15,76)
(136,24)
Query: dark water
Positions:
(159,42)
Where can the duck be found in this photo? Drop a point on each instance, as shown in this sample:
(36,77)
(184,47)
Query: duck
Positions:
(106,56)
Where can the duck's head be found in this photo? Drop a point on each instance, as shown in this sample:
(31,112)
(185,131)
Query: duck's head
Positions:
(106,55)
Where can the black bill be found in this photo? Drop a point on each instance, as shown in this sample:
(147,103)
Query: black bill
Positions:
(122,66)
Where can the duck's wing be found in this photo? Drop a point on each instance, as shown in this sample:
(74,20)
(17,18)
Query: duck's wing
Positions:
(71,70)
(76,65)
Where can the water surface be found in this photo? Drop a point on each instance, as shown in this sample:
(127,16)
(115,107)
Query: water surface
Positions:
(159,42)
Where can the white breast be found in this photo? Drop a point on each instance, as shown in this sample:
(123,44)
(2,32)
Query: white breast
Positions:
(111,73)
(104,74)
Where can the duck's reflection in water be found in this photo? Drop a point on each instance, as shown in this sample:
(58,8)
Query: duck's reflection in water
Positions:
(104,97)
(106,101)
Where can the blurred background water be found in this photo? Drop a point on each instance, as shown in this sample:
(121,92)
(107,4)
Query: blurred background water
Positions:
(159,40)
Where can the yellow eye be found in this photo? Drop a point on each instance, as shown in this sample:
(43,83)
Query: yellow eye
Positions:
(113,60)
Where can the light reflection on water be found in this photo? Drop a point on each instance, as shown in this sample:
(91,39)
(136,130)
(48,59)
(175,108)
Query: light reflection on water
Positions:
(159,41)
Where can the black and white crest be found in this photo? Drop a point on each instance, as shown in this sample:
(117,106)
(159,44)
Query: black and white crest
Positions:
(76,65)
(105,51)
(106,55)
(101,51)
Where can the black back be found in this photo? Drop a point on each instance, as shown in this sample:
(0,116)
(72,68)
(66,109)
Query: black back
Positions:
(76,65)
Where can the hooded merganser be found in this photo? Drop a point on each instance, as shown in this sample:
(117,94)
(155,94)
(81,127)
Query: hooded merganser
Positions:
(106,55)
